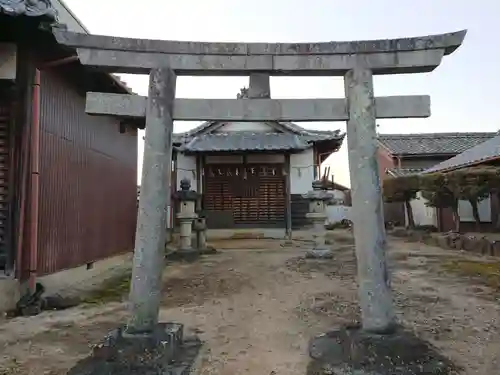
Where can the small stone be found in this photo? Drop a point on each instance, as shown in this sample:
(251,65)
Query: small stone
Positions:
(319,254)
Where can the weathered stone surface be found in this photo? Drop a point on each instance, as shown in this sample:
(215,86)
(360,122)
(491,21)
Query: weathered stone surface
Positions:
(260,86)
(455,241)
(162,352)
(354,351)
(495,248)
(154,199)
(319,254)
(257,110)
(470,244)
(117,61)
(448,42)
(443,241)
(367,207)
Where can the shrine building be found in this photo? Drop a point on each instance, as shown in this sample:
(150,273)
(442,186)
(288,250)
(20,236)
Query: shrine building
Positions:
(252,173)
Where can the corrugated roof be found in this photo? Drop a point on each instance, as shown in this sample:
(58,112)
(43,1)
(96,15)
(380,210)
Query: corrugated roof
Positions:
(31,8)
(244,141)
(432,143)
(402,172)
(485,151)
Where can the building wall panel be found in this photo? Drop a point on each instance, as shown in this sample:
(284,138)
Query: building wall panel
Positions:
(88,181)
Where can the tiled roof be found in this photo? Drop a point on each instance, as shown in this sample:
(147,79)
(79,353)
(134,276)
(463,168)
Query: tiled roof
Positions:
(483,152)
(401,172)
(432,143)
(33,8)
(224,141)
(244,141)
(310,135)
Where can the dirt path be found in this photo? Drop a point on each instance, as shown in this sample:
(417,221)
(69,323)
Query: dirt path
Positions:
(256,309)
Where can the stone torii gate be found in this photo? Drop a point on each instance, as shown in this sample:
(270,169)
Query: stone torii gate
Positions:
(356,61)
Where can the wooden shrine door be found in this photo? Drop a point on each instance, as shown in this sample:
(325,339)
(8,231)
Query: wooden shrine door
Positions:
(244,195)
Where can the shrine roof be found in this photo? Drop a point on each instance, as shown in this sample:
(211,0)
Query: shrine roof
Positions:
(289,128)
(245,141)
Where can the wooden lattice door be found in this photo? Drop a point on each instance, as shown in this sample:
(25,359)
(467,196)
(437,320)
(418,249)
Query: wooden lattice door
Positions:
(249,195)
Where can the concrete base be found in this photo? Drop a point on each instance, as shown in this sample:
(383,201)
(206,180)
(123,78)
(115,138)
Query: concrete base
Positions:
(165,352)
(351,350)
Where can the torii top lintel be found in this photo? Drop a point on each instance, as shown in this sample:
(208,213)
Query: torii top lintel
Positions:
(387,56)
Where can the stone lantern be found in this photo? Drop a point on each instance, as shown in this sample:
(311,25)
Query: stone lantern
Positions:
(318,198)
(186,215)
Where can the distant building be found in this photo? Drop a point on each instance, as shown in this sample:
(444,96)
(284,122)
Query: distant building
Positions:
(488,154)
(402,154)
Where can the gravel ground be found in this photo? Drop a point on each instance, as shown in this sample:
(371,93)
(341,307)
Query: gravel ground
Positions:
(256,309)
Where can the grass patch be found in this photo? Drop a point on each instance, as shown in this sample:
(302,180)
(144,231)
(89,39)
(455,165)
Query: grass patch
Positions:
(487,272)
(113,289)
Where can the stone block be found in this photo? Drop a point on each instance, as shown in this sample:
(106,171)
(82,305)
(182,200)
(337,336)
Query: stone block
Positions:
(443,241)
(484,246)
(455,241)
(163,352)
(431,240)
(319,254)
(354,351)
(495,248)
(470,244)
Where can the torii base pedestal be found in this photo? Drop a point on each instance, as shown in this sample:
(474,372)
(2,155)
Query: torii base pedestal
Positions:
(163,352)
(353,351)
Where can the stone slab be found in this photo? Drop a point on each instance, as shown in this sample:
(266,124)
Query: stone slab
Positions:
(351,350)
(164,352)
(119,61)
(449,42)
(296,110)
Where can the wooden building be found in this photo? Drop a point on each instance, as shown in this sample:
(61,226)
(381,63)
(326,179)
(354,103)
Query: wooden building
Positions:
(67,180)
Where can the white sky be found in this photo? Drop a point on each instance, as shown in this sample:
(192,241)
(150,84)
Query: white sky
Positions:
(464,89)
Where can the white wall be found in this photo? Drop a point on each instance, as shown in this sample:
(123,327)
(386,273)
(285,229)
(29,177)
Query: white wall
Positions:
(465,211)
(186,168)
(244,126)
(301,172)
(422,214)
(337,213)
